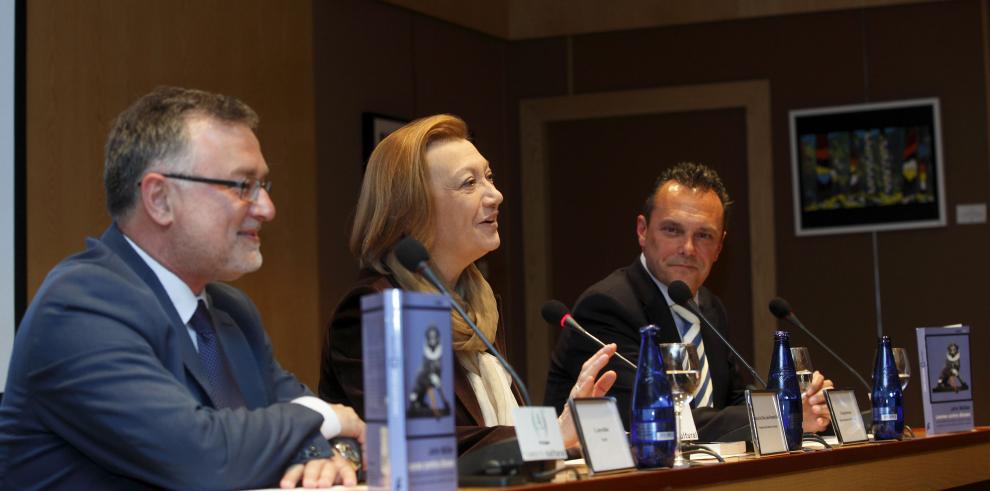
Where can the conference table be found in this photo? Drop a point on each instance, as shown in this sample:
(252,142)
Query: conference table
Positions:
(925,462)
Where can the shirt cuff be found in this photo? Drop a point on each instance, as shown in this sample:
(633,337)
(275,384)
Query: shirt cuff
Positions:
(331,424)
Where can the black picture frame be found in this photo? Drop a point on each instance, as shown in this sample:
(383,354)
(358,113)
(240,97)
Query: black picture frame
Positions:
(596,468)
(760,446)
(867,167)
(849,396)
(374,128)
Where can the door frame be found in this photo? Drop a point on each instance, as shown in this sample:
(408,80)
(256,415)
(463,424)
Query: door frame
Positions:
(752,96)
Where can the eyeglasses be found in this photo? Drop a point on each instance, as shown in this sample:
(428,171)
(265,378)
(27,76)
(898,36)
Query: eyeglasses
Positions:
(249,187)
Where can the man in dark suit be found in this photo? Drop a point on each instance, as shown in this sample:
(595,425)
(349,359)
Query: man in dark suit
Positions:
(132,367)
(680,232)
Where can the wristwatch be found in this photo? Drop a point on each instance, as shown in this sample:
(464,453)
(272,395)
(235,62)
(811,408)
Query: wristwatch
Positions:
(349,451)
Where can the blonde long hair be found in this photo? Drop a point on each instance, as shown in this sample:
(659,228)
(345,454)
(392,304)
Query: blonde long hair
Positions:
(395,196)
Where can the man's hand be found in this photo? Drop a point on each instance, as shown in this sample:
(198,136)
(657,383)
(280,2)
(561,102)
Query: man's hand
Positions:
(587,386)
(816,415)
(350,424)
(320,473)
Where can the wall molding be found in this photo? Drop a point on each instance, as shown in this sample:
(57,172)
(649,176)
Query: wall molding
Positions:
(515,20)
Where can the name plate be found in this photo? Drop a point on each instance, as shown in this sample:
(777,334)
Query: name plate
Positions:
(685,421)
(538,433)
(847,420)
(765,423)
(603,438)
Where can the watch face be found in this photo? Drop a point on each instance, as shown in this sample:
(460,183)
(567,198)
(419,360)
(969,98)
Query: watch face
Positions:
(348,452)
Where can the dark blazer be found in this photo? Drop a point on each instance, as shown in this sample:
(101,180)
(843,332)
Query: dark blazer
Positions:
(342,378)
(614,309)
(106,390)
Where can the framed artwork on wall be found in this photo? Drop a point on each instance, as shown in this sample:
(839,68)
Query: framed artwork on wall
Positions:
(867,167)
(374,128)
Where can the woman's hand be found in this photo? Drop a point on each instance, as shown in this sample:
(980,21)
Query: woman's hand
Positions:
(587,386)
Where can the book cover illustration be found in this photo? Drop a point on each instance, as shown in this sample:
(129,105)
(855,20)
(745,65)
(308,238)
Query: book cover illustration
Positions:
(427,399)
(946,378)
(409,384)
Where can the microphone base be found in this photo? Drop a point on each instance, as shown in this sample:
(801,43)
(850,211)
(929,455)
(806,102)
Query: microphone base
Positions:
(497,465)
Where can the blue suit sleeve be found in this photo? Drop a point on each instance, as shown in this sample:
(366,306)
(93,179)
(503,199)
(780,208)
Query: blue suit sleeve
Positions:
(100,384)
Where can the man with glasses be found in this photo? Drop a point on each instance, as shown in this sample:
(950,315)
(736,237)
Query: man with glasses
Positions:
(133,367)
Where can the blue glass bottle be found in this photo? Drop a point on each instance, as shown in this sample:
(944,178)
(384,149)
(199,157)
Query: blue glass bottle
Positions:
(888,403)
(783,379)
(653,430)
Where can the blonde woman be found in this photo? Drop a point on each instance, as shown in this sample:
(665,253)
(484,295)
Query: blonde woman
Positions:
(428,181)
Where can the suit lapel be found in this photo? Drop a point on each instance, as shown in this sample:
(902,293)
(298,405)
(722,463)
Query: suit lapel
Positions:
(653,303)
(114,239)
(240,358)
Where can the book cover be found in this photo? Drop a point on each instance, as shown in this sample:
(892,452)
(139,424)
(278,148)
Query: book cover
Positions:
(946,378)
(409,391)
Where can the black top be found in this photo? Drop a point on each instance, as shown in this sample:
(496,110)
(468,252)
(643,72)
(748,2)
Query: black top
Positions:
(342,376)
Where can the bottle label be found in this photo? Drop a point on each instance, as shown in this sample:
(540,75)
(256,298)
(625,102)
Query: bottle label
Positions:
(664,436)
(653,432)
(886,414)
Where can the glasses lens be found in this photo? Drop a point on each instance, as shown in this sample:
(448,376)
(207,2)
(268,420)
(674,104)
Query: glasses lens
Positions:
(251,188)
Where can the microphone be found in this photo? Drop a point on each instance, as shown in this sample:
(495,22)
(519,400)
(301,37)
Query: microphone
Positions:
(555,312)
(680,293)
(414,257)
(782,310)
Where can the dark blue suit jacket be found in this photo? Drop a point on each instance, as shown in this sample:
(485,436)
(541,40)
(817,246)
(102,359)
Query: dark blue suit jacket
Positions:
(106,390)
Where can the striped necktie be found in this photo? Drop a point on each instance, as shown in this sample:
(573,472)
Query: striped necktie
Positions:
(223,389)
(692,334)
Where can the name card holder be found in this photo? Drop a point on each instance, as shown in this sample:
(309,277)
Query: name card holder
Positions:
(685,421)
(538,433)
(765,423)
(603,438)
(847,420)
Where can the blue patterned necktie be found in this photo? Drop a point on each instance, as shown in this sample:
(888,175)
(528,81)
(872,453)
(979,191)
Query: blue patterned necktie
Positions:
(692,334)
(223,390)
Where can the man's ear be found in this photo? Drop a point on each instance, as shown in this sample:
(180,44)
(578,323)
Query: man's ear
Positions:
(154,198)
(721,243)
(641,229)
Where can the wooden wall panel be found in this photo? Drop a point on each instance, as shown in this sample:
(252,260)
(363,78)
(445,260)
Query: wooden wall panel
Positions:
(936,277)
(356,69)
(87,61)
(591,237)
(843,57)
(525,19)
(548,125)
(372,57)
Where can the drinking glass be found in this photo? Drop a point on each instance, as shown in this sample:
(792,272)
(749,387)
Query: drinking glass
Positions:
(903,366)
(680,360)
(802,366)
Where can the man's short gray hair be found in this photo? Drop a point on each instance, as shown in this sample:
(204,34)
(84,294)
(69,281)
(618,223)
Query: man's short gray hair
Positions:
(154,129)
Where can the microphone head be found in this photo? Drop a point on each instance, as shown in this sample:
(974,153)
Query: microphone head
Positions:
(411,253)
(679,292)
(780,308)
(554,312)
